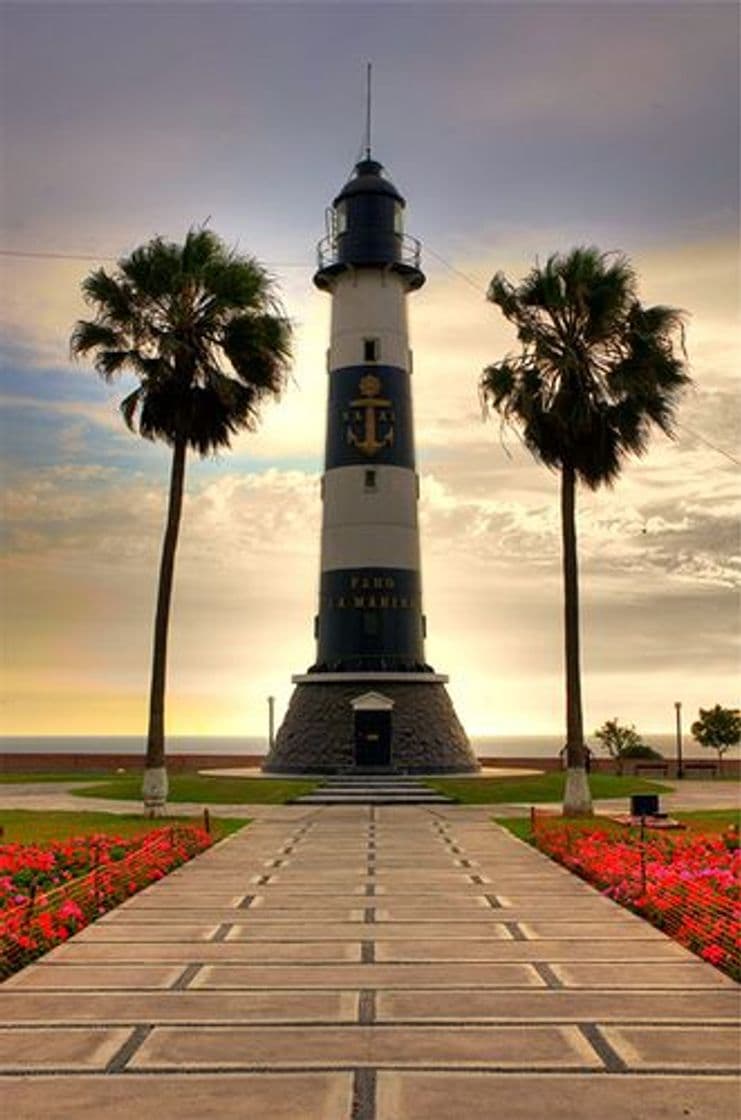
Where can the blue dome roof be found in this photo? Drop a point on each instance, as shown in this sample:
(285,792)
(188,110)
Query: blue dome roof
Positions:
(368,178)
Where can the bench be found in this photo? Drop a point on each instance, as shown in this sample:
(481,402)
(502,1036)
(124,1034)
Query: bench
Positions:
(711,766)
(653,767)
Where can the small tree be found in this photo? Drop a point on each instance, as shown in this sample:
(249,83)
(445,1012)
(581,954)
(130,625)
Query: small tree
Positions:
(719,728)
(623,742)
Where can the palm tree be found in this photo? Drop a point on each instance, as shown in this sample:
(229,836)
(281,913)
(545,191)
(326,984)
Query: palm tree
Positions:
(595,372)
(203,331)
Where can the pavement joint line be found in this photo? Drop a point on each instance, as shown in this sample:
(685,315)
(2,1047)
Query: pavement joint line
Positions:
(669,1073)
(605,1052)
(515,930)
(189,973)
(545,972)
(368,952)
(379,1024)
(364,1095)
(125,1053)
(219,935)
(367,1008)
(478,986)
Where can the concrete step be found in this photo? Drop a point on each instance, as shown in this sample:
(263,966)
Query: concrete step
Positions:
(373,790)
(370,799)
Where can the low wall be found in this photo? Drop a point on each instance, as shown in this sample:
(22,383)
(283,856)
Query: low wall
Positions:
(704,767)
(52,763)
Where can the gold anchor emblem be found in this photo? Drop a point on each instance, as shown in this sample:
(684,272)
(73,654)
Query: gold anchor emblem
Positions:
(374,411)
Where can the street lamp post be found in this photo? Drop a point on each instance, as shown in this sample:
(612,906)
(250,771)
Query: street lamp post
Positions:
(680,768)
(271,722)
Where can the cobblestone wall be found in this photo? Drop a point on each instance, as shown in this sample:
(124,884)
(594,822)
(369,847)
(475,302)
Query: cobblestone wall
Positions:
(317,733)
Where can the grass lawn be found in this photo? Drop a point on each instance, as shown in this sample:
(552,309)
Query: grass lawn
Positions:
(205,790)
(29,826)
(543,787)
(708,821)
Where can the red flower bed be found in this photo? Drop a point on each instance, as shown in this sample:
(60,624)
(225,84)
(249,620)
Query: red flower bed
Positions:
(687,886)
(48,893)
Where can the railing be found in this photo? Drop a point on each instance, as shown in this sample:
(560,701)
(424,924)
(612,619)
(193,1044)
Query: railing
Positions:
(410,251)
(48,917)
(687,886)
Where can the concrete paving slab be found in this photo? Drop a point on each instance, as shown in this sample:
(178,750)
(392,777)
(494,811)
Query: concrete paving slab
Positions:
(94,977)
(180,932)
(472,908)
(268,952)
(320,931)
(469,949)
(73,1048)
(239,1048)
(697,1047)
(178,1007)
(289,900)
(555,906)
(438,1096)
(312,891)
(193,903)
(370,976)
(628,929)
(558,1005)
(685,974)
(289,1096)
(153,917)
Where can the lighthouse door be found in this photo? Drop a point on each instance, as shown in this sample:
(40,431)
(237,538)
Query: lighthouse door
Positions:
(372,738)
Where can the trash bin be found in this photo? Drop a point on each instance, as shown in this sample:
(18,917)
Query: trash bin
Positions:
(644,804)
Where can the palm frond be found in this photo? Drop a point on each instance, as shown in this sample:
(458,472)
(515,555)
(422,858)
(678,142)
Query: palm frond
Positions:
(129,407)
(111,296)
(596,371)
(259,349)
(173,314)
(87,336)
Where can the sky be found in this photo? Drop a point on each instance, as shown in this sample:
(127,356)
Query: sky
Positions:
(513,131)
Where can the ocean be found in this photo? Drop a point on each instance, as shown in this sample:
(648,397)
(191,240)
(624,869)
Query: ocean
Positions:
(499,746)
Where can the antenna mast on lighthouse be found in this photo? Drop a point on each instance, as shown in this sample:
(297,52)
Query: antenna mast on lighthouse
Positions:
(368,76)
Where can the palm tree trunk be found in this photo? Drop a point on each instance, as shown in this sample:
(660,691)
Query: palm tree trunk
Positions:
(577,800)
(154,786)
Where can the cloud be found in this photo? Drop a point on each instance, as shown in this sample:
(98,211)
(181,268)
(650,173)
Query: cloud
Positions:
(516,133)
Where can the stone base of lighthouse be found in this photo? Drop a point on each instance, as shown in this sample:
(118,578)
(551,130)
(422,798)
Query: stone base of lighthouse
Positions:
(345,723)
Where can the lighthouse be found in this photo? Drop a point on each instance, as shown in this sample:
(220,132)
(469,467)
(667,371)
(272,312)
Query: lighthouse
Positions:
(370,701)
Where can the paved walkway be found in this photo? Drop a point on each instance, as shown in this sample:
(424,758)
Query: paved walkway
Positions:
(356,963)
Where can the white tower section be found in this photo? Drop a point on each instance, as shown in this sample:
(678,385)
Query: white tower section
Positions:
(370,510)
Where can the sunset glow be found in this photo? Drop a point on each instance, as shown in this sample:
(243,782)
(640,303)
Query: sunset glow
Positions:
(513,131)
